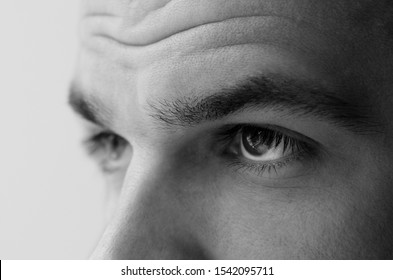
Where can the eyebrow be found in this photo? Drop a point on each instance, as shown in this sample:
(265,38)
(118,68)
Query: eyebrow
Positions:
(88,106)
(302,98)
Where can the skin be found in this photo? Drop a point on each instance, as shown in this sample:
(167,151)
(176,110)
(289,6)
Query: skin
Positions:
(173,194)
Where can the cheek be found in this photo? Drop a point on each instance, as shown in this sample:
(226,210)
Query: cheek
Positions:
(262,224)
(330,217)
(314,223)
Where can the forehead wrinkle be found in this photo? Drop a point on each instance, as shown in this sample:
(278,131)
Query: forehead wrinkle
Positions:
(261,30)
(145,22)
(113,8)
(214,36)
(177,16)
(138,10)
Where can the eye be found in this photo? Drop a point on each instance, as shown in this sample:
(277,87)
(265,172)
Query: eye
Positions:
(259,144)
(266,149)
(111,151)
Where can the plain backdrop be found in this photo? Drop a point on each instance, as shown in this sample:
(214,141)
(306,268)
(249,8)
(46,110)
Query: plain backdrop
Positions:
(51,195)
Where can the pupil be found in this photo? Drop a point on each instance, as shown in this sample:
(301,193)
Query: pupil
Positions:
(252,139)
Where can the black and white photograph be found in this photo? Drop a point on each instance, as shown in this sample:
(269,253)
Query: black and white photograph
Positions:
(196,130)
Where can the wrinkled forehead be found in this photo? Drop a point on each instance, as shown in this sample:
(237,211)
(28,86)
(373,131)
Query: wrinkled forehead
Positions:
(136,50)
(145,22)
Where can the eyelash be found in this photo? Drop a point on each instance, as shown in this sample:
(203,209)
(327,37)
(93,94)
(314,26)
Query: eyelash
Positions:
(272,138)
(98,141)
(227,136)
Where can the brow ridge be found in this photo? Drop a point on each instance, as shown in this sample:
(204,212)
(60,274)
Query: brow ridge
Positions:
(262,92)
(88,106)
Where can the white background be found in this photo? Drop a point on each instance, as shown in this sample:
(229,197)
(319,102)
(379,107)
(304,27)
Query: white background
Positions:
(51,195)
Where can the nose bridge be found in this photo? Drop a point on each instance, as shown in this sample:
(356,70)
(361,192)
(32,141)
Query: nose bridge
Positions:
(150,222)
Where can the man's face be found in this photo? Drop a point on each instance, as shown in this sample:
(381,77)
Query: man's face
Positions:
(240,129)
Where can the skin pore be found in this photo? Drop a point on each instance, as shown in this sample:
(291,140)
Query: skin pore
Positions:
(240,129)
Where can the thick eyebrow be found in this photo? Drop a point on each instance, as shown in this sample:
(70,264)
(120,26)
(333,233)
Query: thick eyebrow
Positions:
(262,92)
(88,107)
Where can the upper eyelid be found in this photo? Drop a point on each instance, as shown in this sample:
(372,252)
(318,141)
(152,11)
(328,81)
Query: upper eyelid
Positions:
(92,142)
(279,135)
(93,128)
(228,133)
(285,131)
(96,130)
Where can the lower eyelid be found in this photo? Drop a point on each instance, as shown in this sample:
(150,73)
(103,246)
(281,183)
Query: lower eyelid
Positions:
(291,168)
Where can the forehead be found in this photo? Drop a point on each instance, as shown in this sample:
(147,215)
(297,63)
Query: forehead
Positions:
(135,51)
(146,21)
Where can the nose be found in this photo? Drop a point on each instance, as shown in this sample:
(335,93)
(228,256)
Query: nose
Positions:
(152,221)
